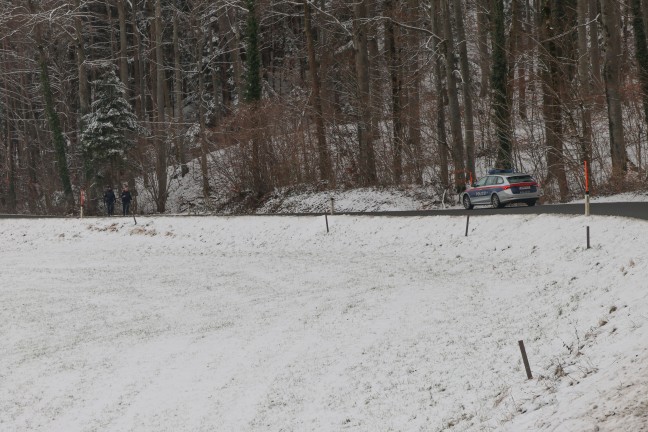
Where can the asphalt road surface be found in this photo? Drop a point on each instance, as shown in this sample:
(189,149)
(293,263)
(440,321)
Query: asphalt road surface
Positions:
(638,210)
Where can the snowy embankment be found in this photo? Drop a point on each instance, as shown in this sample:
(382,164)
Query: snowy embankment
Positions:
(269,323)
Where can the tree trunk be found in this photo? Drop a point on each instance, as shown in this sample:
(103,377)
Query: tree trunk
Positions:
(551,107)
(8,139)
(585,92)
(178,99)
(11,168)
(34,153)
(482,45)
(594,45)
(413,89)
(138,70)
(442,143)
(53,120)
(253,96)
(84,108)
(611,78)
(458,152)
(522,44)
(467,89)
(84,88)
(501,108)
(324,158)
(519,33)
(394,67)
(201,115)
(123,48)
(161,154)
(641,52)
(231,34)
(367,162)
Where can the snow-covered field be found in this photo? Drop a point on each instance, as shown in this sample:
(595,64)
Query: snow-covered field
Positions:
(269,323)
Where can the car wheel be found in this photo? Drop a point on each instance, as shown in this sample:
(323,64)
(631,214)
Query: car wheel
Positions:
(495,201)
(531,203)
(466,203)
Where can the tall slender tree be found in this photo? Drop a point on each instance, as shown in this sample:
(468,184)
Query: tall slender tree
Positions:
(161,138)
(501,108)
(641,52)
(457,149)
(466,83)
(253,94)
(483,36)
(441,139)
(324,158)
(53,118)
(552,81)
(612,79)
(585,87)
(394,66)
(366,156)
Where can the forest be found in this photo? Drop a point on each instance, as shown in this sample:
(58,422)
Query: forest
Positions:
(252,96)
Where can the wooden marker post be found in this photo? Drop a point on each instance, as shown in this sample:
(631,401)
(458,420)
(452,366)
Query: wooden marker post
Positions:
(588,241)
(332,205)
(326,219)
(525,360)
(467,222)
(82,202)
(587,197)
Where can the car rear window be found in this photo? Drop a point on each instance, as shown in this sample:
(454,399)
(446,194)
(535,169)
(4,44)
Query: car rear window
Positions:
(520,179)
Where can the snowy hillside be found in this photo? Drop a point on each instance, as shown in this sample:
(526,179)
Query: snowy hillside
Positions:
(269,323)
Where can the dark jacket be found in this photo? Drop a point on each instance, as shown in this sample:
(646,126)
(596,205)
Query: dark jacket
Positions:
(126,197)
(109,196)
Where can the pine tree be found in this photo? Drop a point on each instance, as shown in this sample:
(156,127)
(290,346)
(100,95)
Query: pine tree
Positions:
(106,134)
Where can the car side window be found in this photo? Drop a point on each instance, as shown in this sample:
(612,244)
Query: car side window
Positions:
(491,180)
(481,182)
(500,180)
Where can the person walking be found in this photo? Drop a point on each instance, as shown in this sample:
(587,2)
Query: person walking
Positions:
(126,199)
(109,200)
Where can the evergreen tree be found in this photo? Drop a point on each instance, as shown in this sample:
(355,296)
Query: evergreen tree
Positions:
(106,134)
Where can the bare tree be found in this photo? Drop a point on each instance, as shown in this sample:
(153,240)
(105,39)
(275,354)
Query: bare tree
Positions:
(53,118)
(612,79)
(483,35)
(161,147)
(457,149)
(366,158)
(585,92)
(394,66)
(324,158)
(552,79)
(466,79)
(442,143)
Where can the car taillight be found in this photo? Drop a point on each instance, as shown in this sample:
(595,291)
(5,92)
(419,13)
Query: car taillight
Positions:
(506,187)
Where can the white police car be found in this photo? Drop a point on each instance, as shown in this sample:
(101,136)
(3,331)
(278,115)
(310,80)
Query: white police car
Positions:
(501,187)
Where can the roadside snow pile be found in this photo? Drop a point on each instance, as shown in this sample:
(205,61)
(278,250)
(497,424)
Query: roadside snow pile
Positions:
(270,323)
(186,198)
(353,200)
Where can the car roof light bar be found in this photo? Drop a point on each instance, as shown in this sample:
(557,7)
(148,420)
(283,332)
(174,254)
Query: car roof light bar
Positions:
(500,171)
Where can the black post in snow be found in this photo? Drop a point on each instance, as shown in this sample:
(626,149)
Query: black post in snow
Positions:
(525,360)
